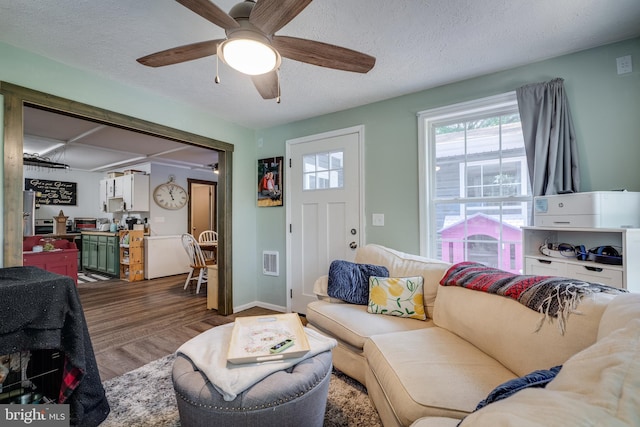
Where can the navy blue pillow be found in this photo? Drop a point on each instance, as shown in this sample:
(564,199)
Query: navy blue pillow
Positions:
(535,379)
(349,281)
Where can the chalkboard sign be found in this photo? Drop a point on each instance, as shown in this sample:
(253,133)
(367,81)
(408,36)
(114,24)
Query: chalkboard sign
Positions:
(53,192)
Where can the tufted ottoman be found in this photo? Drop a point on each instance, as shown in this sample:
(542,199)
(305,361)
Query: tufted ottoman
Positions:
(293,397)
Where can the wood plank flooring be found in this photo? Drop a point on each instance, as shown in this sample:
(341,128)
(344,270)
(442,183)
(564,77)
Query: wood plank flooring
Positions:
(132,324)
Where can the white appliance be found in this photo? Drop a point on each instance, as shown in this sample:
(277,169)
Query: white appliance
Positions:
(164,256)
(595,209)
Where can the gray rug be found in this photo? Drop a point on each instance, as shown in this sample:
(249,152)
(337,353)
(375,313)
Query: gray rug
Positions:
(144,397)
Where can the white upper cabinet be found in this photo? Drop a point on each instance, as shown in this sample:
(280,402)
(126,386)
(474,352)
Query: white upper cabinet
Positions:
(126,193)
(135,192)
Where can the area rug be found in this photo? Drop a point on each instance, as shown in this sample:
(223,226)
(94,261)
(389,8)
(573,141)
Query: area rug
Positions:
(86,277)
(144,398)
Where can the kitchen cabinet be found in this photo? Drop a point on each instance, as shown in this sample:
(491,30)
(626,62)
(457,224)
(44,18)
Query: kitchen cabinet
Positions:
(135,192)
(625,240)
(126,193)
(100,252)
(132,255)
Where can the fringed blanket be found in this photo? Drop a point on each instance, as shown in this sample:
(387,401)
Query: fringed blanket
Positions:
(554,297)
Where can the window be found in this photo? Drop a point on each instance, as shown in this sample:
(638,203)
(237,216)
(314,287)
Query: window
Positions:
(323,170)
(474,185)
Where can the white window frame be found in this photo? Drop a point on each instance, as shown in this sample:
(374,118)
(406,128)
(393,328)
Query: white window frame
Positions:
(494,105)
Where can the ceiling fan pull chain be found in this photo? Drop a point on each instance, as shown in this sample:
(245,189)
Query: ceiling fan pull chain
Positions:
(217,79)
(278,78)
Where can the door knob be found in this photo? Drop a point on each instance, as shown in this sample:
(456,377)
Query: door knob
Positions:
(353,245)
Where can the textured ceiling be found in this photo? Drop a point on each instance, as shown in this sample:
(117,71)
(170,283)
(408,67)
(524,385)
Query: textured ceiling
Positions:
(418,44)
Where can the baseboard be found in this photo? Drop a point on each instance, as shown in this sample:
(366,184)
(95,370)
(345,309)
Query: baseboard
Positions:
(261,305)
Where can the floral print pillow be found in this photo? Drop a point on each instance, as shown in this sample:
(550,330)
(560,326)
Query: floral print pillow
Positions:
(397,296)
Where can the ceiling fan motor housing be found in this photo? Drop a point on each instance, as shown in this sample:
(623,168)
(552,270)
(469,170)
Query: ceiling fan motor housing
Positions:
(242,10)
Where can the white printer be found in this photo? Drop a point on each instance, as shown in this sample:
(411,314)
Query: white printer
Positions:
(595,209)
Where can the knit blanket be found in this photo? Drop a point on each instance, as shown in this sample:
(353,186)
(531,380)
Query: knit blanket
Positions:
(554,297)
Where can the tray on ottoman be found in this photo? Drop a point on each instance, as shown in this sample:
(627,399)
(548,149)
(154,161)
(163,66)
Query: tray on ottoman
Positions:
(252,338)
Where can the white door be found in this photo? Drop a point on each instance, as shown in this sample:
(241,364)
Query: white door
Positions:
(324,208)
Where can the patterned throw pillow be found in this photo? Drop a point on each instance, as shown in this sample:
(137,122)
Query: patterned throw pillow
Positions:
(397,296)
(349,281)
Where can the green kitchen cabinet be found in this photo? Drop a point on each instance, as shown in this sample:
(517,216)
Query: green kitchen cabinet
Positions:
(89,251)
(100,252)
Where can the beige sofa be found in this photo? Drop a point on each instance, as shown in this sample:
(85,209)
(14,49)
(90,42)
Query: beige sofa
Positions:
(435,372)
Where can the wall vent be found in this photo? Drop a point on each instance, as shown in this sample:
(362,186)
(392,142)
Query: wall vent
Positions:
(270,263)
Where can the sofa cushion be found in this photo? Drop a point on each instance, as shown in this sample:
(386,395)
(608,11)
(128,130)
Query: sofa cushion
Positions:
(396,296)
(506,330)
(401,264)
(352,323)
(442,374)
(349,281)
(320,289)
(436,422)
(596,387)
(618,313)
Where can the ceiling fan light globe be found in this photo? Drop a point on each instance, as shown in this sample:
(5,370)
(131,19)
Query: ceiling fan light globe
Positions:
(249,56)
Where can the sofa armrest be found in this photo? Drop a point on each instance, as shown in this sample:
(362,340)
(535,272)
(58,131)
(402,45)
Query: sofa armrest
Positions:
(320,288)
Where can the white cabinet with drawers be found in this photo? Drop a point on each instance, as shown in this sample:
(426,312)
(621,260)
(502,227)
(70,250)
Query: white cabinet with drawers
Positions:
(625,240)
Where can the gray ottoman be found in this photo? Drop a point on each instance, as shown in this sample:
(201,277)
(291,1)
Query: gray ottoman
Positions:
(293,397)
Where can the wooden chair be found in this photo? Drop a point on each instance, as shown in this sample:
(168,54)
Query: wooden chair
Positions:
(209,238)
(199,264)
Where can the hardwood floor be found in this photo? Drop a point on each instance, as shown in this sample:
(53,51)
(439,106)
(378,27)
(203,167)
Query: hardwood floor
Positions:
(132,324)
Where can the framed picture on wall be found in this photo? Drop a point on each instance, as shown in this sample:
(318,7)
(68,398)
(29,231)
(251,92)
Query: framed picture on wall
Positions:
(270,182)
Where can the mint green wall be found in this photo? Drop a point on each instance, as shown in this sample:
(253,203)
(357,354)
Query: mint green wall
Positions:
(606,114)
(42,74)
(605,108)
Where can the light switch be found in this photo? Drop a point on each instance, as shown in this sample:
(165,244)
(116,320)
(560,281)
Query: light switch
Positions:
(377,220)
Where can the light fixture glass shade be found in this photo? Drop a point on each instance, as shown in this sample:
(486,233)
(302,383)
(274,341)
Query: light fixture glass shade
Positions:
(249,56)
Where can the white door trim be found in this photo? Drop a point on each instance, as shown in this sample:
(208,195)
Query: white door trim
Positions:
(359,129)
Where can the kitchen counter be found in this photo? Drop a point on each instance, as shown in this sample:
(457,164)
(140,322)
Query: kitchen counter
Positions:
(101,233)
(67,236)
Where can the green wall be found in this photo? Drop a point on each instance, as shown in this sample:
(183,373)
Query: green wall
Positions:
(605,109)
(36,72)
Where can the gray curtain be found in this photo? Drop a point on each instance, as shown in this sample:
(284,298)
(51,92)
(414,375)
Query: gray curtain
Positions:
(549,138)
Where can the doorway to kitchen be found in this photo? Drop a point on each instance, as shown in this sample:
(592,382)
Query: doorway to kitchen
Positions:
(16,97)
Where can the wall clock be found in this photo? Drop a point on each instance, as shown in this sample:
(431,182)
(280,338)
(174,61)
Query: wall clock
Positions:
(170,195)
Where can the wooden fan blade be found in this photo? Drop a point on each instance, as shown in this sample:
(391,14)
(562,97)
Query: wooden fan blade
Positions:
(211,13)
(323,54)
(271,15)
(267,84)
(179,54)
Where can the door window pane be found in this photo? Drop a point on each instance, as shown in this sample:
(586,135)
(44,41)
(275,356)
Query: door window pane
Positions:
(323,170)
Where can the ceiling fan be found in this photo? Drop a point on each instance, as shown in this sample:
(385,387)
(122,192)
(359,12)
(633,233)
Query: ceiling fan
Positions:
(252,47)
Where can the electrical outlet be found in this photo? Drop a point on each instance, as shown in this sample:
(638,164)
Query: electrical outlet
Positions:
(624,64)
(377,220)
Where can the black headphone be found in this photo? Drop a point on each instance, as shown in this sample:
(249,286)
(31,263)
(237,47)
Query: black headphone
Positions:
(604,255)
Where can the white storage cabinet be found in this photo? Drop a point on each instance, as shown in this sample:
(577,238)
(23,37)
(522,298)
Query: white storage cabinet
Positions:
(127,193)
(625,240)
